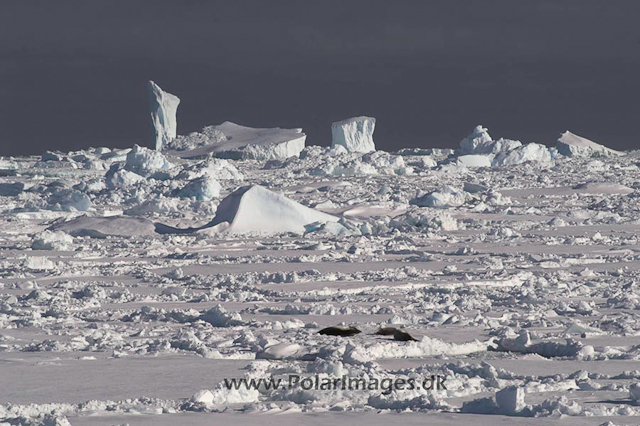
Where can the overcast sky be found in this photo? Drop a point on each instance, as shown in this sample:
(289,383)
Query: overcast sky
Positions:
(73,73)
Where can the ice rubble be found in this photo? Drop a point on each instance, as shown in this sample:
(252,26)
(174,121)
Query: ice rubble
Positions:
(480,150)
(233,141)
(146,162)
(354,134)
(207,136)
(572,145)
(163,107)
(257,209)
(201,189)
(52,240)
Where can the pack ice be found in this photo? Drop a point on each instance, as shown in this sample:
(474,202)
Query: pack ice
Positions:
(133,282)
(163,107)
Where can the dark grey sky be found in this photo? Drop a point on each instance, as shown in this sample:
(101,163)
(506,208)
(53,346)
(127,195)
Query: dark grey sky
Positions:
(73,73)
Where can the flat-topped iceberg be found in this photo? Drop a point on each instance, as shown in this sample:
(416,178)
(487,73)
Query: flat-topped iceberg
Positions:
(236,142)
(163,107)
(355,134)
(572,145)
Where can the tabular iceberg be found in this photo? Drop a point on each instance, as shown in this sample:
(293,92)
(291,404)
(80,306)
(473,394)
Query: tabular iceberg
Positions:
(163,107)
(235,142)
(355,134)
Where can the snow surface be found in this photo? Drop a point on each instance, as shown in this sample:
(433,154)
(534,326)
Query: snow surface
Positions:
(354,134)
(163,107)
(518,279)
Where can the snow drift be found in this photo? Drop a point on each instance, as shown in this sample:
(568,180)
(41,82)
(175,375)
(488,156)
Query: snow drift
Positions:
(163,107)
(257,209)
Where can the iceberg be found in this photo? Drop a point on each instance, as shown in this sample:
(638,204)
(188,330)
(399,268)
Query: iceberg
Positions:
(355,134)
(478,142)
(572,145)
(257,209)
(235,142)
(163,107)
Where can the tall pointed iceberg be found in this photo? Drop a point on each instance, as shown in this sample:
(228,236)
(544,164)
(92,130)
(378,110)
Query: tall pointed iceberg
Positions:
(163,107)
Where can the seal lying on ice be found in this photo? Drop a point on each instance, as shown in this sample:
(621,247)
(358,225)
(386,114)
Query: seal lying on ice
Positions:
(385,331)
(399,335)
(339,331)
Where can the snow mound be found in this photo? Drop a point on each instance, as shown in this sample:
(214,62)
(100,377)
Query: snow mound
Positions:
(355,134)
(145,162)
(163,107)
(257,209)
(572,145)
(102,227)
(241,142)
